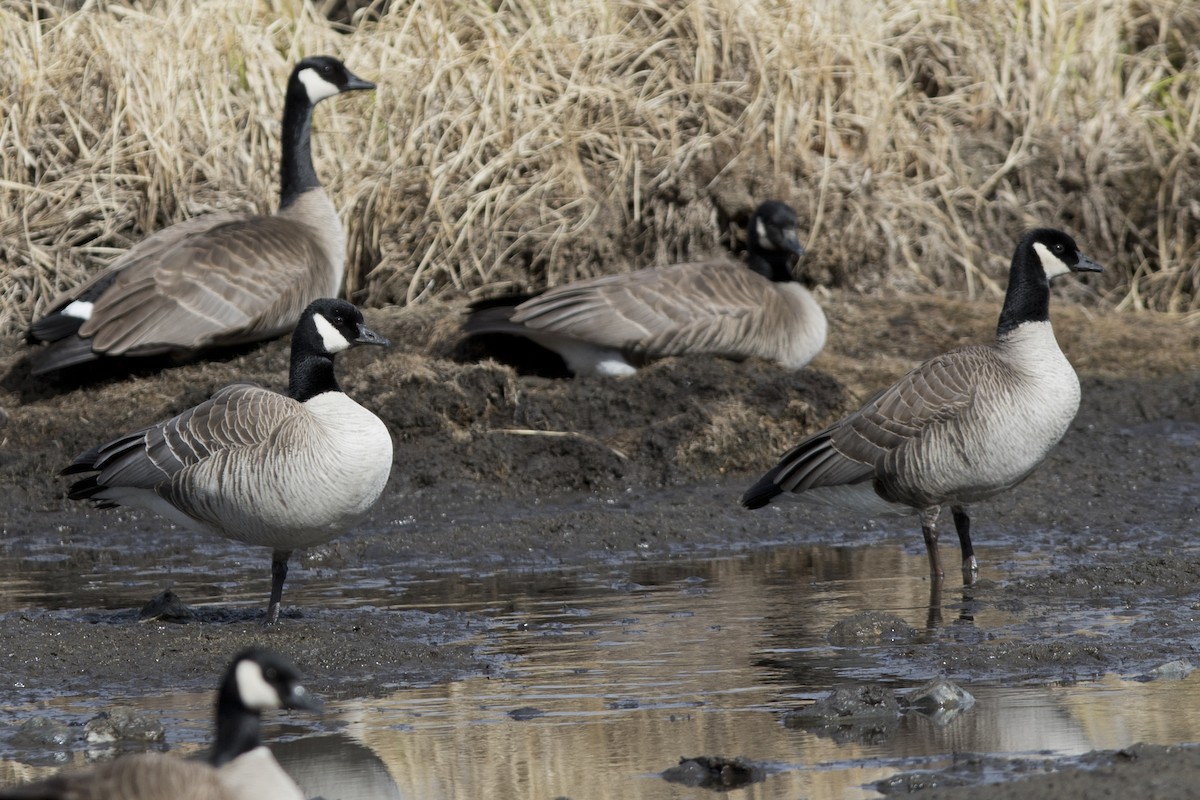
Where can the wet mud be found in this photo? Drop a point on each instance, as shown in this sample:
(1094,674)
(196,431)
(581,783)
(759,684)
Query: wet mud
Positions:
(501,471)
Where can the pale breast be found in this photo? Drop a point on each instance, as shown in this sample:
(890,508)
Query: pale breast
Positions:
(1022,407)
(303,486)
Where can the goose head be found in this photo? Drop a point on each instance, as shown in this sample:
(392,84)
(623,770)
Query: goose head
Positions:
(773,227)
(772,241)
(320,77)
(331,326)
(1057,253)
(262,680)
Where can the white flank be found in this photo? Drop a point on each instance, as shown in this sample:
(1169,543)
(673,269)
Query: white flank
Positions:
(585,358)
(1052,264)
(253,688)
(331,337)
(80,309)
(317,87)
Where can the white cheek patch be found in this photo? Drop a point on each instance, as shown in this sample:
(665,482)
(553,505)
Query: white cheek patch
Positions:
(253,688)
(331,337)
(1052,264)
(80,309)
(317,87)
(764,241)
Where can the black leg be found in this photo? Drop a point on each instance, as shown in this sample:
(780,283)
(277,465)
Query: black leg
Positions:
(962,524)
(930,532)
(279,566)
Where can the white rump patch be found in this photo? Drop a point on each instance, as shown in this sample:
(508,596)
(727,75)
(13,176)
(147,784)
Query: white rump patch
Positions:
(331,337)
(585,358)
(317,87)
(253,689)
(764,241)
(80,309)
(1052,264)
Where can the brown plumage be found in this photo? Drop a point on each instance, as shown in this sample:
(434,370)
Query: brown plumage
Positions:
(218,280)
(720,307)
(962,427)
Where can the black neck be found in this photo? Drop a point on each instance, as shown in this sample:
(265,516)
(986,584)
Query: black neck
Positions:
(311,375)
(237,728)
(775,265)
(1028,295)
(296,173)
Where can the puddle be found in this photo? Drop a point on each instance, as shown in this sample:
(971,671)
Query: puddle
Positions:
(611,674)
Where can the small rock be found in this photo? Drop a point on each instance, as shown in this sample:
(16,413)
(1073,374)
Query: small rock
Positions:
(42,732)
(525,713)
(1172,671)
(123,724)
(847,703)
(871,627)
(165,607)
(715,772)
(939,695)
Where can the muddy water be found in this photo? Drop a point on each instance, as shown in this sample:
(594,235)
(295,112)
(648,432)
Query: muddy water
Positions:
(604,676)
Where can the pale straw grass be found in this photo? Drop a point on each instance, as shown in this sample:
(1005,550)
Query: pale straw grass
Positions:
(520,143)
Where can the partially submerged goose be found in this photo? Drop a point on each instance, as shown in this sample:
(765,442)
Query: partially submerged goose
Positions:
(283,471)
(607,325)
(239,766)
(221,279)
(961,427)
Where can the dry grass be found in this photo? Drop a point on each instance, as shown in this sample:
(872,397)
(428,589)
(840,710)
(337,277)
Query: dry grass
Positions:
(529,142)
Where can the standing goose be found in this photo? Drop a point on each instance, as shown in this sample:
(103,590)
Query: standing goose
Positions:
(283,471)
(961,427)
(599,326)
(218,280)
(239,766)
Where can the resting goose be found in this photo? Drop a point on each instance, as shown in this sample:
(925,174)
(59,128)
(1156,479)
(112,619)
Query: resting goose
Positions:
(606,325)
(218,280)
(239,766)
(960,428)
(282,471)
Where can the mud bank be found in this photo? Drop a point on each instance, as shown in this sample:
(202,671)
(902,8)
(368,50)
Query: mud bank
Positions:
(498,471)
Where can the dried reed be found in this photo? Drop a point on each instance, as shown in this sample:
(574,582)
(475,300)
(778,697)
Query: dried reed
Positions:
(519,143)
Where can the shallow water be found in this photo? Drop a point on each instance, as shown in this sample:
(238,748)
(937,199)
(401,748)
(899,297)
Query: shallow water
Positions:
(609,675)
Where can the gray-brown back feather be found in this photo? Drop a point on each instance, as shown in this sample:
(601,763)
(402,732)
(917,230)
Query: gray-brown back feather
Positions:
(716,307)
(882,441)
(239,280)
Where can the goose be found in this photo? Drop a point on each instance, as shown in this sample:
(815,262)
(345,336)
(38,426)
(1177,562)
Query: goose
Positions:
(282,471)
(962,427)
(239,767)
(218,280)
(606,325)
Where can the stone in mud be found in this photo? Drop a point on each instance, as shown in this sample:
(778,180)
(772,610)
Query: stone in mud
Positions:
(860,702)
(871,627)
(715,772)
(863,714)
(526,713)
(42,732)
(938,695)
(166,606)
(1175,670)
(123,724)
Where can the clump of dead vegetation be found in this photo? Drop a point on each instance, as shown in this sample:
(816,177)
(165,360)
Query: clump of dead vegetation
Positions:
(519,143)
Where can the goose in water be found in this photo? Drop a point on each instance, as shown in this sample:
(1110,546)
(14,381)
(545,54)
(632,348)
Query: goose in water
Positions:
(239,766)
(285,471)
(960,428)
